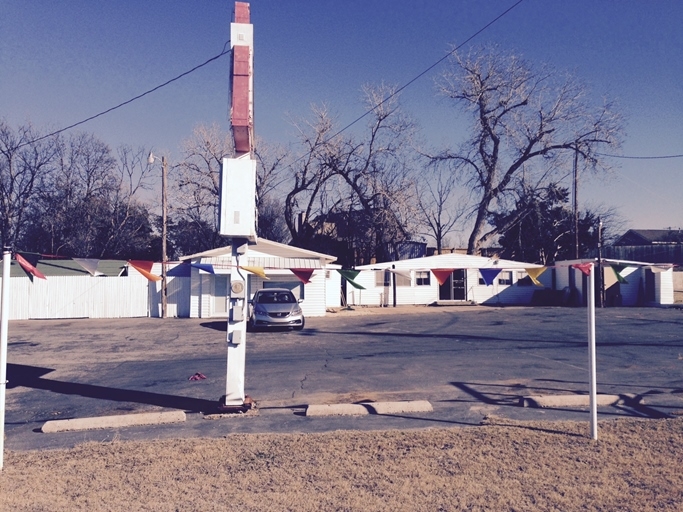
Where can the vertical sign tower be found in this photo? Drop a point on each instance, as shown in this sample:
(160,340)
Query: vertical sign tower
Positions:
(237,219)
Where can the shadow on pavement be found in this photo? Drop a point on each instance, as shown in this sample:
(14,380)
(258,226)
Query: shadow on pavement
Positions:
(31,377)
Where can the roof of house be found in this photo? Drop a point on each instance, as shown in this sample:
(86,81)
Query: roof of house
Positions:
(452,260)
(650,237)
(53,267)
(268,255)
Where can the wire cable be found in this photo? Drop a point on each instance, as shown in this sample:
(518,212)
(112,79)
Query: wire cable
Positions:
(216,57)
(641,157)
(416,78)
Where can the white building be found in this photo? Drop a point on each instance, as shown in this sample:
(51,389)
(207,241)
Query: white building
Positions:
(210,273)
(417,281)
(642,284)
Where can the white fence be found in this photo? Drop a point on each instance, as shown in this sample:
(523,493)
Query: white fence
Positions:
(96,297)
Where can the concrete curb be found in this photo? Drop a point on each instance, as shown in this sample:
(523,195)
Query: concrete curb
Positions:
(124,420)
(572,400)
(367,408)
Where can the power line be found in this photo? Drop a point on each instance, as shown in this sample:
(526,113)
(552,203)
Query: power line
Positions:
(410,82)
(641,157)
(223,52)
(414,79)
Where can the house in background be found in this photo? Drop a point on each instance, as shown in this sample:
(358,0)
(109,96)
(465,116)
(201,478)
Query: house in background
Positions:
(284,266)
(654,245)
(461,281)
(627,283)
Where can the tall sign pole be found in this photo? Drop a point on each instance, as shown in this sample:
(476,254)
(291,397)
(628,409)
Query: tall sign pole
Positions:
(592,372)
(237,219)
(4,324)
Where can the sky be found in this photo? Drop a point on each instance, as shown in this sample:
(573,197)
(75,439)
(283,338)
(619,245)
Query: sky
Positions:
(63,62)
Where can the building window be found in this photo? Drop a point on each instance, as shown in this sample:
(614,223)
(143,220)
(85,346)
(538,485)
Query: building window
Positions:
(505,277)
(382,278)
(422,277)
(402,280)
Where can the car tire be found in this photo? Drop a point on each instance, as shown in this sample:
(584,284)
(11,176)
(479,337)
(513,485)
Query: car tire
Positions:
(250,325)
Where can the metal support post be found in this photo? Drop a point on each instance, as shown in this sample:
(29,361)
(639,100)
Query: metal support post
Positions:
(164,256)
(4,324)
(591,355)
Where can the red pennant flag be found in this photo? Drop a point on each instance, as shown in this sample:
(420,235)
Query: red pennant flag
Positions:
(304,274)
(145,268)
(28,267)
(442,274)
(584,267)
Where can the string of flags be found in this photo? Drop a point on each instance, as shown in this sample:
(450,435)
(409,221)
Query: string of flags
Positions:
(29,262)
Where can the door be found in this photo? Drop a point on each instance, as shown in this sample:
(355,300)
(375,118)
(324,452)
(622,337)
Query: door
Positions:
(459,284)
(455,287)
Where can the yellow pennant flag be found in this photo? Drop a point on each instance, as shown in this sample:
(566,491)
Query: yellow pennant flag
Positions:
(257,271)
(534,273)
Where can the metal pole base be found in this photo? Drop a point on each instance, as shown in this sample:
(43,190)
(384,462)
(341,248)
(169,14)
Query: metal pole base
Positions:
(248,405)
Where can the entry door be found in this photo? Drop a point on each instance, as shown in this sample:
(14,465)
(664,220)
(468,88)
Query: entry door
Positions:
(459,284)
(455,287)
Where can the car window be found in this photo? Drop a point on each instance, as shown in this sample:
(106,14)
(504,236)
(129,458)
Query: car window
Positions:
(266,298)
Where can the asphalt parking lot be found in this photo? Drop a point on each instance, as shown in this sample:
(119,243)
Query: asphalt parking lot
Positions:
(468,362)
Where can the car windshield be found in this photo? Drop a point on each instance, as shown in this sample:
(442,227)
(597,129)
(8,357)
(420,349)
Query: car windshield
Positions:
(275,298)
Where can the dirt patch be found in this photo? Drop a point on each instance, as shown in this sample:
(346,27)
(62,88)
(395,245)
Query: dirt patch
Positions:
(504,465)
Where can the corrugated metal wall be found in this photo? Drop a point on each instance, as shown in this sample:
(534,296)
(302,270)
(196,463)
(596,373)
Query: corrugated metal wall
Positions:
(78,297)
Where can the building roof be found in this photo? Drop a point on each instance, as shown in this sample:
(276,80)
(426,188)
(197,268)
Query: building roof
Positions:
(650,237)
(453,260)
(268,255)
(53,267)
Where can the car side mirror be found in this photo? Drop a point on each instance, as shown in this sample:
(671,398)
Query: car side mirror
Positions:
(300,301)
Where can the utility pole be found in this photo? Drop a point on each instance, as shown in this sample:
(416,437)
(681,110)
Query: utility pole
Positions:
(602,270)
(576,204)
(164,221)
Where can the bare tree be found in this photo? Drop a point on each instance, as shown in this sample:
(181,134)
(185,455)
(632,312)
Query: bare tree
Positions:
(90,203)
(523,121)
(197,178)
(24,165)
(354,189)
(439,209)
(269,204)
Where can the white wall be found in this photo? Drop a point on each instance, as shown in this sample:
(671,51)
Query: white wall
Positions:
(78,297)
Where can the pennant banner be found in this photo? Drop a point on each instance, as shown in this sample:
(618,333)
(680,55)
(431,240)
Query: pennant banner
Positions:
(256,271)
(489,274)
(206,267)
(441,274)
(89,265)
(28,267)
(533,274)
(584,267)
(145,268)
(660,268)
(350,275)
(304,274)
(182,270)
(618,269)
(404,273)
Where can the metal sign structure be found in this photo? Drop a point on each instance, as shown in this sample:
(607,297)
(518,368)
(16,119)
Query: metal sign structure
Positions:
(237,219)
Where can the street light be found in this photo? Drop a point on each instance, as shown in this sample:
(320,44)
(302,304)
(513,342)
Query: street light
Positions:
(164,207)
